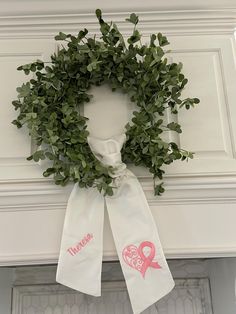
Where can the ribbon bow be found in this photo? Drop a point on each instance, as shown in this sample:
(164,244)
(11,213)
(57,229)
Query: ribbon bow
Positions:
(135,235)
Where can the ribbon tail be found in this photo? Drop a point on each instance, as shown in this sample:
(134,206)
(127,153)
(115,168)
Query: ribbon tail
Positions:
(80,260)
(132,223)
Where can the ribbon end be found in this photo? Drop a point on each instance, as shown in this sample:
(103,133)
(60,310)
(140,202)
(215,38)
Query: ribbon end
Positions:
(95,292)
(139,308)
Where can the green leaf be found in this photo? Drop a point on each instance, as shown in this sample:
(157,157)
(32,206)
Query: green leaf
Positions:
(162,40)
(49,172)
(152,40)
(40,64)
(134,38)
(24,90)
(61,36)
(159,189)
(37,156)
(17,123)
(174,127)
(184,82)
(31,115)
(145,150)
(81,35)
(54,138)
(157,59)
(17,104)
(133,19)
(92,66)
(98,13)
(50,155)
(109,191)
(58,177)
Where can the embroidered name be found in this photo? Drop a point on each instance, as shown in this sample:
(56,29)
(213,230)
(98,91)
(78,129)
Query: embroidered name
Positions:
(78,247)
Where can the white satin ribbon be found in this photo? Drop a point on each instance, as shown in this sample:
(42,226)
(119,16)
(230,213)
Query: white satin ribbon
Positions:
(146,272)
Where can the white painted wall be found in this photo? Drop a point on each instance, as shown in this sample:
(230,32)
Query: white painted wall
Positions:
(6,282)
(197,192)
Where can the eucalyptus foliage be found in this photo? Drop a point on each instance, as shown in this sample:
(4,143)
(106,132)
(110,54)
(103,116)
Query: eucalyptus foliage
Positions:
(49,103)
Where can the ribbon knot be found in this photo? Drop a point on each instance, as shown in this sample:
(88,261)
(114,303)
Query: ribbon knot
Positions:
(108,152)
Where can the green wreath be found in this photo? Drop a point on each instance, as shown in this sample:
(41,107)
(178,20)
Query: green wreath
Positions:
(49,103)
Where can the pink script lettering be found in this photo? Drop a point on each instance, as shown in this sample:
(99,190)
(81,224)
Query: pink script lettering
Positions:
(79,246)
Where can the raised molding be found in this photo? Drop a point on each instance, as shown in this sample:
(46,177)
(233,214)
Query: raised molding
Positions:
(18,146)
(214,56)
(30,195)
(172,22)
(26,7)
(170,253)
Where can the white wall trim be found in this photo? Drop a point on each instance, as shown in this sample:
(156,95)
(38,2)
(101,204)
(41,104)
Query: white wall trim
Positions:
(34,195)
(170,253)
(183,22)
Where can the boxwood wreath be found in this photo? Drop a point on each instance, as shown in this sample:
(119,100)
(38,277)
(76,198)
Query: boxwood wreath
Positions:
(49,103)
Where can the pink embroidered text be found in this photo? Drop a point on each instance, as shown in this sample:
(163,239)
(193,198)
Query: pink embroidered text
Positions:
(78,247)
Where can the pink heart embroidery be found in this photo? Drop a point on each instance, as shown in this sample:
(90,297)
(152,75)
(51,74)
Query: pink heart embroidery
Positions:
(135,258)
